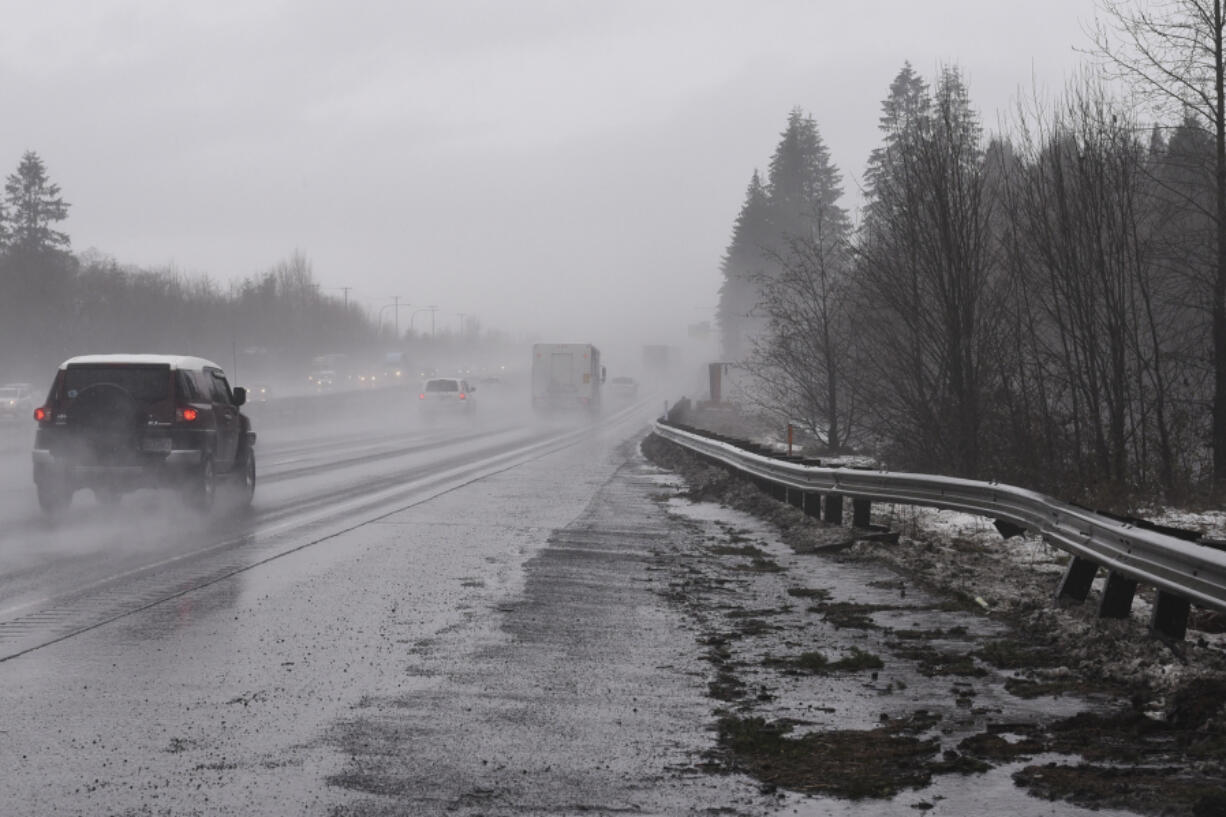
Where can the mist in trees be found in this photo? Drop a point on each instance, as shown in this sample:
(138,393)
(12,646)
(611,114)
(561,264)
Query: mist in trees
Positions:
(793,286)
(745,259)
(1036,306)
(36,269)
(927,282)
(277,319)
(55,304)
(1173,55)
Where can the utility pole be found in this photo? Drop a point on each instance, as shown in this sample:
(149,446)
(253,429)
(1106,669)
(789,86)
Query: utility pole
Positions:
(346,291)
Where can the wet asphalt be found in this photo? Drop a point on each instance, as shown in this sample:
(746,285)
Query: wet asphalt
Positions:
(497,643)
(511,644)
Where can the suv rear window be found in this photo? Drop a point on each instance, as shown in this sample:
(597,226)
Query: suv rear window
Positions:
(147,384)
(442,385)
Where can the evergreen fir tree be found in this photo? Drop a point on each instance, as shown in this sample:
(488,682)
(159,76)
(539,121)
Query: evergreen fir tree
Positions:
(36,268)
(802,179)
(4,227)
(743,261)
(36,205)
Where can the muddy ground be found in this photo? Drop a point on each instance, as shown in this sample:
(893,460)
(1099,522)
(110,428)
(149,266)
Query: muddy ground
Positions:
(1134,724)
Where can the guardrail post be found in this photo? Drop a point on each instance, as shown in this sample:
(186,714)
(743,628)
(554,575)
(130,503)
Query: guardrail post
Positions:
(773,489)
(811,504)
(861,512)
(796,498)
(1170,619)
(1075,585)
(834,509)
(1117,596)
(1007,529)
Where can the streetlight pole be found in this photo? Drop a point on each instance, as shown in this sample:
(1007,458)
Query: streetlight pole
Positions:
(431,310)
(395,304)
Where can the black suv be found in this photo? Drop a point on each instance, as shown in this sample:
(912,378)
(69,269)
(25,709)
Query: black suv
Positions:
(115,423)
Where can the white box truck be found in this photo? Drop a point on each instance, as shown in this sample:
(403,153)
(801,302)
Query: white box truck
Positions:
(566,377)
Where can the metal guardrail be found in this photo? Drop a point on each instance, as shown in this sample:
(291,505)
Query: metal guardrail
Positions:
(1183,572)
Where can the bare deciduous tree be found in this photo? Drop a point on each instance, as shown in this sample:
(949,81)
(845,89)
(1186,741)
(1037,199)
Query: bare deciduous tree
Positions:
(1087,254)
(802,361)
(801,351)
(1174,53)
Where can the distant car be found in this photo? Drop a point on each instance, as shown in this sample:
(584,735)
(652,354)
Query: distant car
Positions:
(624,387)
(116,423)
(447,396)
(323,380)
(16,401)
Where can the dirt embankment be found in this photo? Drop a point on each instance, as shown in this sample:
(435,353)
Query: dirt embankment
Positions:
(1154,743)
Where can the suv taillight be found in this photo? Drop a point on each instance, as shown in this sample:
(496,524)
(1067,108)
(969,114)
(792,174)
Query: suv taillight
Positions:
(41,414)
(186,414)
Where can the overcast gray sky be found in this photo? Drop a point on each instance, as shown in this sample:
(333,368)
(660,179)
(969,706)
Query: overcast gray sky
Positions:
(544,165)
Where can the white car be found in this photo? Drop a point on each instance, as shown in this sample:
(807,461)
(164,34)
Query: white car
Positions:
(625,387)
(442,396)
(16,401)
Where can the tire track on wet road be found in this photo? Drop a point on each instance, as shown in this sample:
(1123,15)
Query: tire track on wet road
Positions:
(305,520)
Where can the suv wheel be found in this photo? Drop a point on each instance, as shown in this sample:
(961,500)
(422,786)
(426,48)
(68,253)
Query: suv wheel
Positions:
(245,479)
(201,488)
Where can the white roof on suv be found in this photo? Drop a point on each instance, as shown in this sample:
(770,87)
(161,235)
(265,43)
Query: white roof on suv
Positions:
(173,361)
(445,384)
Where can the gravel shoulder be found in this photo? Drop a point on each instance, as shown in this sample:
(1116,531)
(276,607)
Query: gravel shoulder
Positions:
(1092,714)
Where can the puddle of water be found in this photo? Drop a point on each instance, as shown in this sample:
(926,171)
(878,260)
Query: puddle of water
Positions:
(993,792)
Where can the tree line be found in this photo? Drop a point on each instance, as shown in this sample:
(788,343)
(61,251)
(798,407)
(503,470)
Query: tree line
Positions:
(55,303)
(1044,306)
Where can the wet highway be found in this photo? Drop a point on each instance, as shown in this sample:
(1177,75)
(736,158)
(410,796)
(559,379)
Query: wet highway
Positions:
(152,663)
(452,618)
